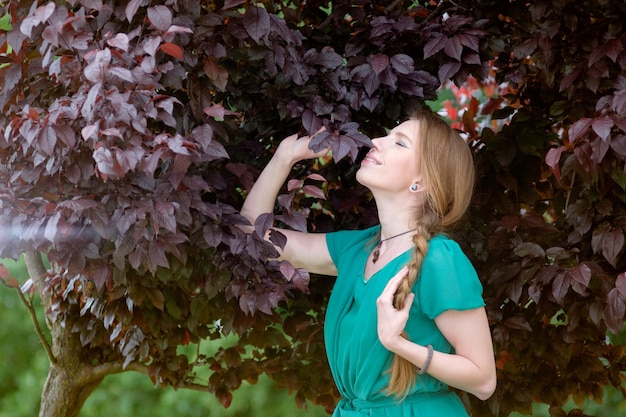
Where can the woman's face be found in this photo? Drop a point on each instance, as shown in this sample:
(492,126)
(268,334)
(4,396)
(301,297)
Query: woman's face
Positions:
(392,164)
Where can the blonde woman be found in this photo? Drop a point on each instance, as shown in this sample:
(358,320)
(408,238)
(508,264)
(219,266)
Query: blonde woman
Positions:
(406,317)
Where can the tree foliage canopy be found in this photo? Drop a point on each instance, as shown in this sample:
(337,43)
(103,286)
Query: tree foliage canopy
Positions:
(132,130)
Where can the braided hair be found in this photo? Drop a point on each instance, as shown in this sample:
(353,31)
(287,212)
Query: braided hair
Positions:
(447,169)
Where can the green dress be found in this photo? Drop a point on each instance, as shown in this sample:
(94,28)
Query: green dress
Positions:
(357,359)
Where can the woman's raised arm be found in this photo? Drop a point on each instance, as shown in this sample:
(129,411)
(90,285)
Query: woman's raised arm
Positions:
(302,250)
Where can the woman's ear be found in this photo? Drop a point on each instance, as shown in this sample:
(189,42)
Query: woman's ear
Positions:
(416,187)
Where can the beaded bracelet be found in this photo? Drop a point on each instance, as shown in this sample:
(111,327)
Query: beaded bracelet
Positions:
(429,358)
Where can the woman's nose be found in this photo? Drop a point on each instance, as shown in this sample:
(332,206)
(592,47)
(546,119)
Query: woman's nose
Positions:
(377,143)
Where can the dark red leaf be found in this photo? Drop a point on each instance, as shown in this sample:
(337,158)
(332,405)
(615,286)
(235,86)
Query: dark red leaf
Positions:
(248,302)
(379,62)
(518,323)
(579,278)
(560,286)
(529,249)
(217,74)
(294,184)
(611,48)
(612,245)
(4,273)
(172,49)
(313,191)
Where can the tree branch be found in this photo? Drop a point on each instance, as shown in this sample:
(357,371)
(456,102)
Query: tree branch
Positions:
(40,333)
(37,272)
(100,371)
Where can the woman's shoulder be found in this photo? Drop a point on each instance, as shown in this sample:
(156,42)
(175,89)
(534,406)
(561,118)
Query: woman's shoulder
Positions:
(443,245)
(445,254)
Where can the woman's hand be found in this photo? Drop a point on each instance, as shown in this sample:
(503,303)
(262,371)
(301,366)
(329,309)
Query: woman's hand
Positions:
(391,321)
(294,149)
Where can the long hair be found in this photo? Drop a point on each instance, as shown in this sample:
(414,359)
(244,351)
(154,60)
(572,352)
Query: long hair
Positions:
(447,169)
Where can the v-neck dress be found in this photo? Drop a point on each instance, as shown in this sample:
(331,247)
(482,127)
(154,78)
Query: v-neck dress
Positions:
(358,361)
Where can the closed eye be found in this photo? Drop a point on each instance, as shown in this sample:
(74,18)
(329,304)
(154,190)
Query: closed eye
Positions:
(400,144)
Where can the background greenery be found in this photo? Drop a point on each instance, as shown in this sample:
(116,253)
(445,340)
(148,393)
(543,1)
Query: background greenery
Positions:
(130,394)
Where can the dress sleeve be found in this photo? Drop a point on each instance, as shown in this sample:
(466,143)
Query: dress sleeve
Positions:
(448,280)
(343,244)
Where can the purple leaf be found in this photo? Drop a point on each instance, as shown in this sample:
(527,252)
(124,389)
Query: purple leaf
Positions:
(402,64)
(579,128)
(229,4)
(434,45)
(122,73)
(66,134)
(277,238)
(51,230)
(98,67)
(256,21)
(472,42)
(294,184)
(42,14)
(131,9)
(379,62)
(311,123)
(614,311)
(263,223)
(314,191)
(119,41)
(602,126)
(248,302)
(160,17)
(164,216)
(328,58)
(47,140)
(453,48)
(620,284)
(295,220)
(447,70)
(156,252)
(618,144)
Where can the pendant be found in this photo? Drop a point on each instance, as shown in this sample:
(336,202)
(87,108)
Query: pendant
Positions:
(376,253)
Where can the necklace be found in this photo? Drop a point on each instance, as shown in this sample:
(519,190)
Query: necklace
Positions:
(376,252)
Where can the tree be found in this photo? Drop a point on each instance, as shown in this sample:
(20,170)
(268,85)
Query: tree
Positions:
(131,132)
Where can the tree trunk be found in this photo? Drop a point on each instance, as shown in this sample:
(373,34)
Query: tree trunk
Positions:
(62,396)
(70,381)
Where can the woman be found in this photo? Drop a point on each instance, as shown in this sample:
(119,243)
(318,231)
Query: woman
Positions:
(406,317)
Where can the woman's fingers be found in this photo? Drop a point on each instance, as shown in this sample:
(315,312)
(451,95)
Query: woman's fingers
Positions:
(394,283)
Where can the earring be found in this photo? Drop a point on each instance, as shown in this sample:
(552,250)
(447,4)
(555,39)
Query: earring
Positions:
(414,187)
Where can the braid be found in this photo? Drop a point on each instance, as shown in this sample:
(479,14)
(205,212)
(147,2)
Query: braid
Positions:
(402,371)
(447,170)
